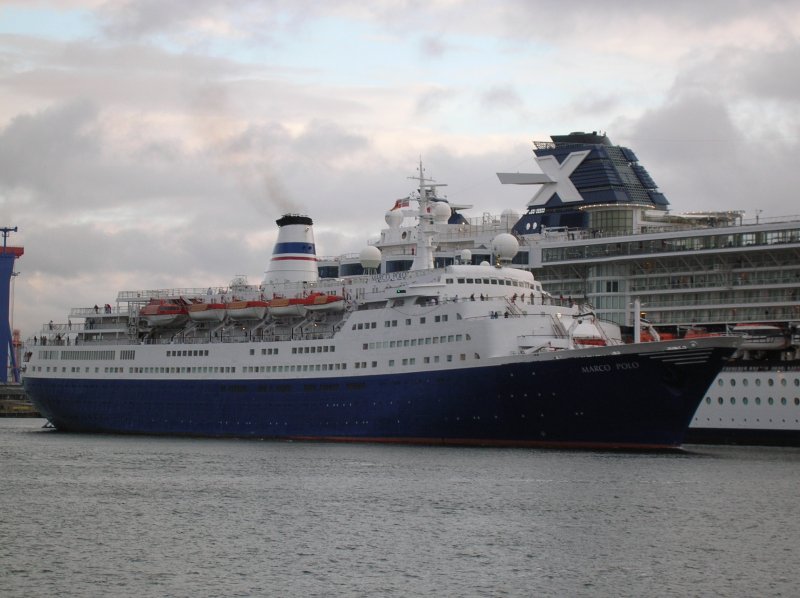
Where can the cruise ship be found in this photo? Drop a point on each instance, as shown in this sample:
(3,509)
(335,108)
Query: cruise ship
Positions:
(598,232)
(474,352)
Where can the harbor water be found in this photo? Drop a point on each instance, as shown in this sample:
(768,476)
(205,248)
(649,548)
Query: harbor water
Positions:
(100,515)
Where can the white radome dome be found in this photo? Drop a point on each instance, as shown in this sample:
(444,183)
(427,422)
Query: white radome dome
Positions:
(441,212)
(394,218)
(505,246)
(370,257)
(485,263)
(466,256)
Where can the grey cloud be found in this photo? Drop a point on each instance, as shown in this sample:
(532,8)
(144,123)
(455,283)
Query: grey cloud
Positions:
(39,151)
(502,97)
(701,160)
(433,46)
(433,100)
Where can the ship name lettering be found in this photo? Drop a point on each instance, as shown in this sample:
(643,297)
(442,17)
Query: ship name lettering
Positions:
(628,365)
(391,276)
(596,369)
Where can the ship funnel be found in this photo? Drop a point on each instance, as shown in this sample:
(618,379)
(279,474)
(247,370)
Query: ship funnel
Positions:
(294,258)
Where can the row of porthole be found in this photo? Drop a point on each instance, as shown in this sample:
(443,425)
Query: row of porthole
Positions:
(770,382)
(757,401)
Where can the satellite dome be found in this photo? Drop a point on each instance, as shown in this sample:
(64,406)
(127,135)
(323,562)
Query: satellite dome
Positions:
(505,246)
(370,257)
(485,263)
(394,218)
(441,212)
(466,256)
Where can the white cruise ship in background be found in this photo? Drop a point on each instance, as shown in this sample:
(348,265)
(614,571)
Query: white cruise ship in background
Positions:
(598,231)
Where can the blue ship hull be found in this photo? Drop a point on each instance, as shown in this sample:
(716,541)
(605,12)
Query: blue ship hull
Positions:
(619,401)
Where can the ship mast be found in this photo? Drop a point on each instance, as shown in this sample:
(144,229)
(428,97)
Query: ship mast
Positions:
(426,231)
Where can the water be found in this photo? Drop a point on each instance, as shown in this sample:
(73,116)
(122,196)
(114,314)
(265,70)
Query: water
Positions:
(96,515)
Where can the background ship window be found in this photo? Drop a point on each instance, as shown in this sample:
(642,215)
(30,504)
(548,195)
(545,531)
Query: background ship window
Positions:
(422,320)
(461,281)
(470,281)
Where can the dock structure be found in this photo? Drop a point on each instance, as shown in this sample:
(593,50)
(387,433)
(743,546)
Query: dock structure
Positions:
(8,256)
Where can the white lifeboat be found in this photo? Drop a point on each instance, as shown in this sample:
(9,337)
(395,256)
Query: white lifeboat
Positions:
(159,313)
(247,310)
(761,337)
(322,302)
(286,308)
(207,312)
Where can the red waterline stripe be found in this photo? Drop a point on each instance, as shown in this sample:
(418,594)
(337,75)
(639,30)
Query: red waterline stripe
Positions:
(487,442)
(308,259)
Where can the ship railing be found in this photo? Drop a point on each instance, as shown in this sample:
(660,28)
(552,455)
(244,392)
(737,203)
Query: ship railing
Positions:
(87,312)
(142,296)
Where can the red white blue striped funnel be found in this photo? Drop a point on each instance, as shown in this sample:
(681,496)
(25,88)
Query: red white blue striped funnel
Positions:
(294,258)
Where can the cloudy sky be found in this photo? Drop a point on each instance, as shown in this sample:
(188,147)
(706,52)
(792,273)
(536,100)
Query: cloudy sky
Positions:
(150,144)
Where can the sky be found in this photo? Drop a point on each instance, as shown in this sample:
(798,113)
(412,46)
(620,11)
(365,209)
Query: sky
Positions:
(150,144)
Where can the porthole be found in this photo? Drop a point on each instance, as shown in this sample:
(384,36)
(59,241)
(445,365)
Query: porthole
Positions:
(720,400)
(758,381)
(745,382)
(770,382)
(708,400)
(733,382)
(784,382)
(744,401)
(797,401)
(783,400)
(797,381)
(770,400)
(720,382)
(733,401)
(758,400)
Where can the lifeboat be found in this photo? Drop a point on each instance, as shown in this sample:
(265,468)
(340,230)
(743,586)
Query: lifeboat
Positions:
(761,337)
(322,302)
(587,334)
(285,308)
(207,312)
(247,310)
(590,342)
(162,313)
